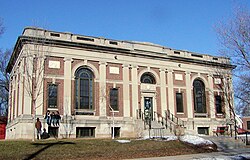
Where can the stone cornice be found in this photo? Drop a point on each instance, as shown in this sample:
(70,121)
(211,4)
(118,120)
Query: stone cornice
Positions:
(118,50)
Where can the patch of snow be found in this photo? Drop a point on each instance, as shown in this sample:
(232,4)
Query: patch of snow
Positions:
(170,138)
(123,141)
(241,157)
(194,140)
(165,138)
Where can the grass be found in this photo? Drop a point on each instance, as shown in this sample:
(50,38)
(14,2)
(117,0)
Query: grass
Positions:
(93,149)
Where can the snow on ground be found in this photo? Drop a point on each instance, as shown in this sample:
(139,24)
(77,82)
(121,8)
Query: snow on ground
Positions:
(123,141)
(194,140)
(170,138)
(238,157)
(241,157)
(165,138)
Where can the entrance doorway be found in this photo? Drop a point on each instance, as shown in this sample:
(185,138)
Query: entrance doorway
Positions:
(53,131)
(148,108)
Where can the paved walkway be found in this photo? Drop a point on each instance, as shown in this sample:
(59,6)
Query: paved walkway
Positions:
(229,149)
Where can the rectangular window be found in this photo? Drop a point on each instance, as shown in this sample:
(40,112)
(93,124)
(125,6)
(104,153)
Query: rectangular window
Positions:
(218,104)
(114,98)
(203,130)
(82,132)
(52,95)
(248,125)
(179,102)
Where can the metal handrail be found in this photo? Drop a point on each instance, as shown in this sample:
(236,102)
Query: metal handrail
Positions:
(174,119)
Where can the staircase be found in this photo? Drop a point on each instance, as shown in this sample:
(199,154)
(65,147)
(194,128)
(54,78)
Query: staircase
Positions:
(158,126)
(226,142)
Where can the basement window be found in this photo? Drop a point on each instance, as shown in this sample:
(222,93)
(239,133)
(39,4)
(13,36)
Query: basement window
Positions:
(197,55)
(55,34)
(203,130)
(85,39)
(116,131)
(85,132)
(113,42)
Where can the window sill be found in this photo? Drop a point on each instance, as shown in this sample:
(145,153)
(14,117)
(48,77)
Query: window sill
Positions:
(200,115)
(219,114)
(115,111)
(52,109)
(84,112)
(180,113)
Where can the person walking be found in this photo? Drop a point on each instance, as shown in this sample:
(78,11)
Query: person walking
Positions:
(38,126)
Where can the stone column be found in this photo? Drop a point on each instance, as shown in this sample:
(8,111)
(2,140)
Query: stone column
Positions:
(171,91)
(102,89)
(28,67)
(16,95)
(211,96)
(134,90)
(10,99)
(126,97)
(40,85)
(189,95)
(67,86)
(228,97)
(163,91)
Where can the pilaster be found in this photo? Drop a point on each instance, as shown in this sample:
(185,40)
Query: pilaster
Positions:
(211,96)
(102,91)
(67,86)
(189,95)
(126,97)
(171,90)
(163,90)
(134,90)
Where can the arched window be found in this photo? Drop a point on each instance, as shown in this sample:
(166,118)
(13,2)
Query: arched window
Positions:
(147,78)
(199,96)
(84,89)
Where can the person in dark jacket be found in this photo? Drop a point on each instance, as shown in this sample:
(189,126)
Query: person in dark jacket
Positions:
(48,118)
(38,126)
(53,118)
(58,118)
(45,135)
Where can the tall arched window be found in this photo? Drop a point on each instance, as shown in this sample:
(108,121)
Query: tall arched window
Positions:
(84,88)
(199,96)
(148,78)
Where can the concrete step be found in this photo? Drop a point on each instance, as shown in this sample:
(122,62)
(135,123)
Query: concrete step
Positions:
(226,142)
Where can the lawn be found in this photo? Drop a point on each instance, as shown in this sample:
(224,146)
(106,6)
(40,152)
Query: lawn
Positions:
(93,149)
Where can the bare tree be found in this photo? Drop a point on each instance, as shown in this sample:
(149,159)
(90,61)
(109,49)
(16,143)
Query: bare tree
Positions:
(33,59)
(234,36)
(4,82)
(4,77)
(223,84)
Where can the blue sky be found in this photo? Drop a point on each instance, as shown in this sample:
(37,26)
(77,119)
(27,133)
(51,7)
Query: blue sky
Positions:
(179,24)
